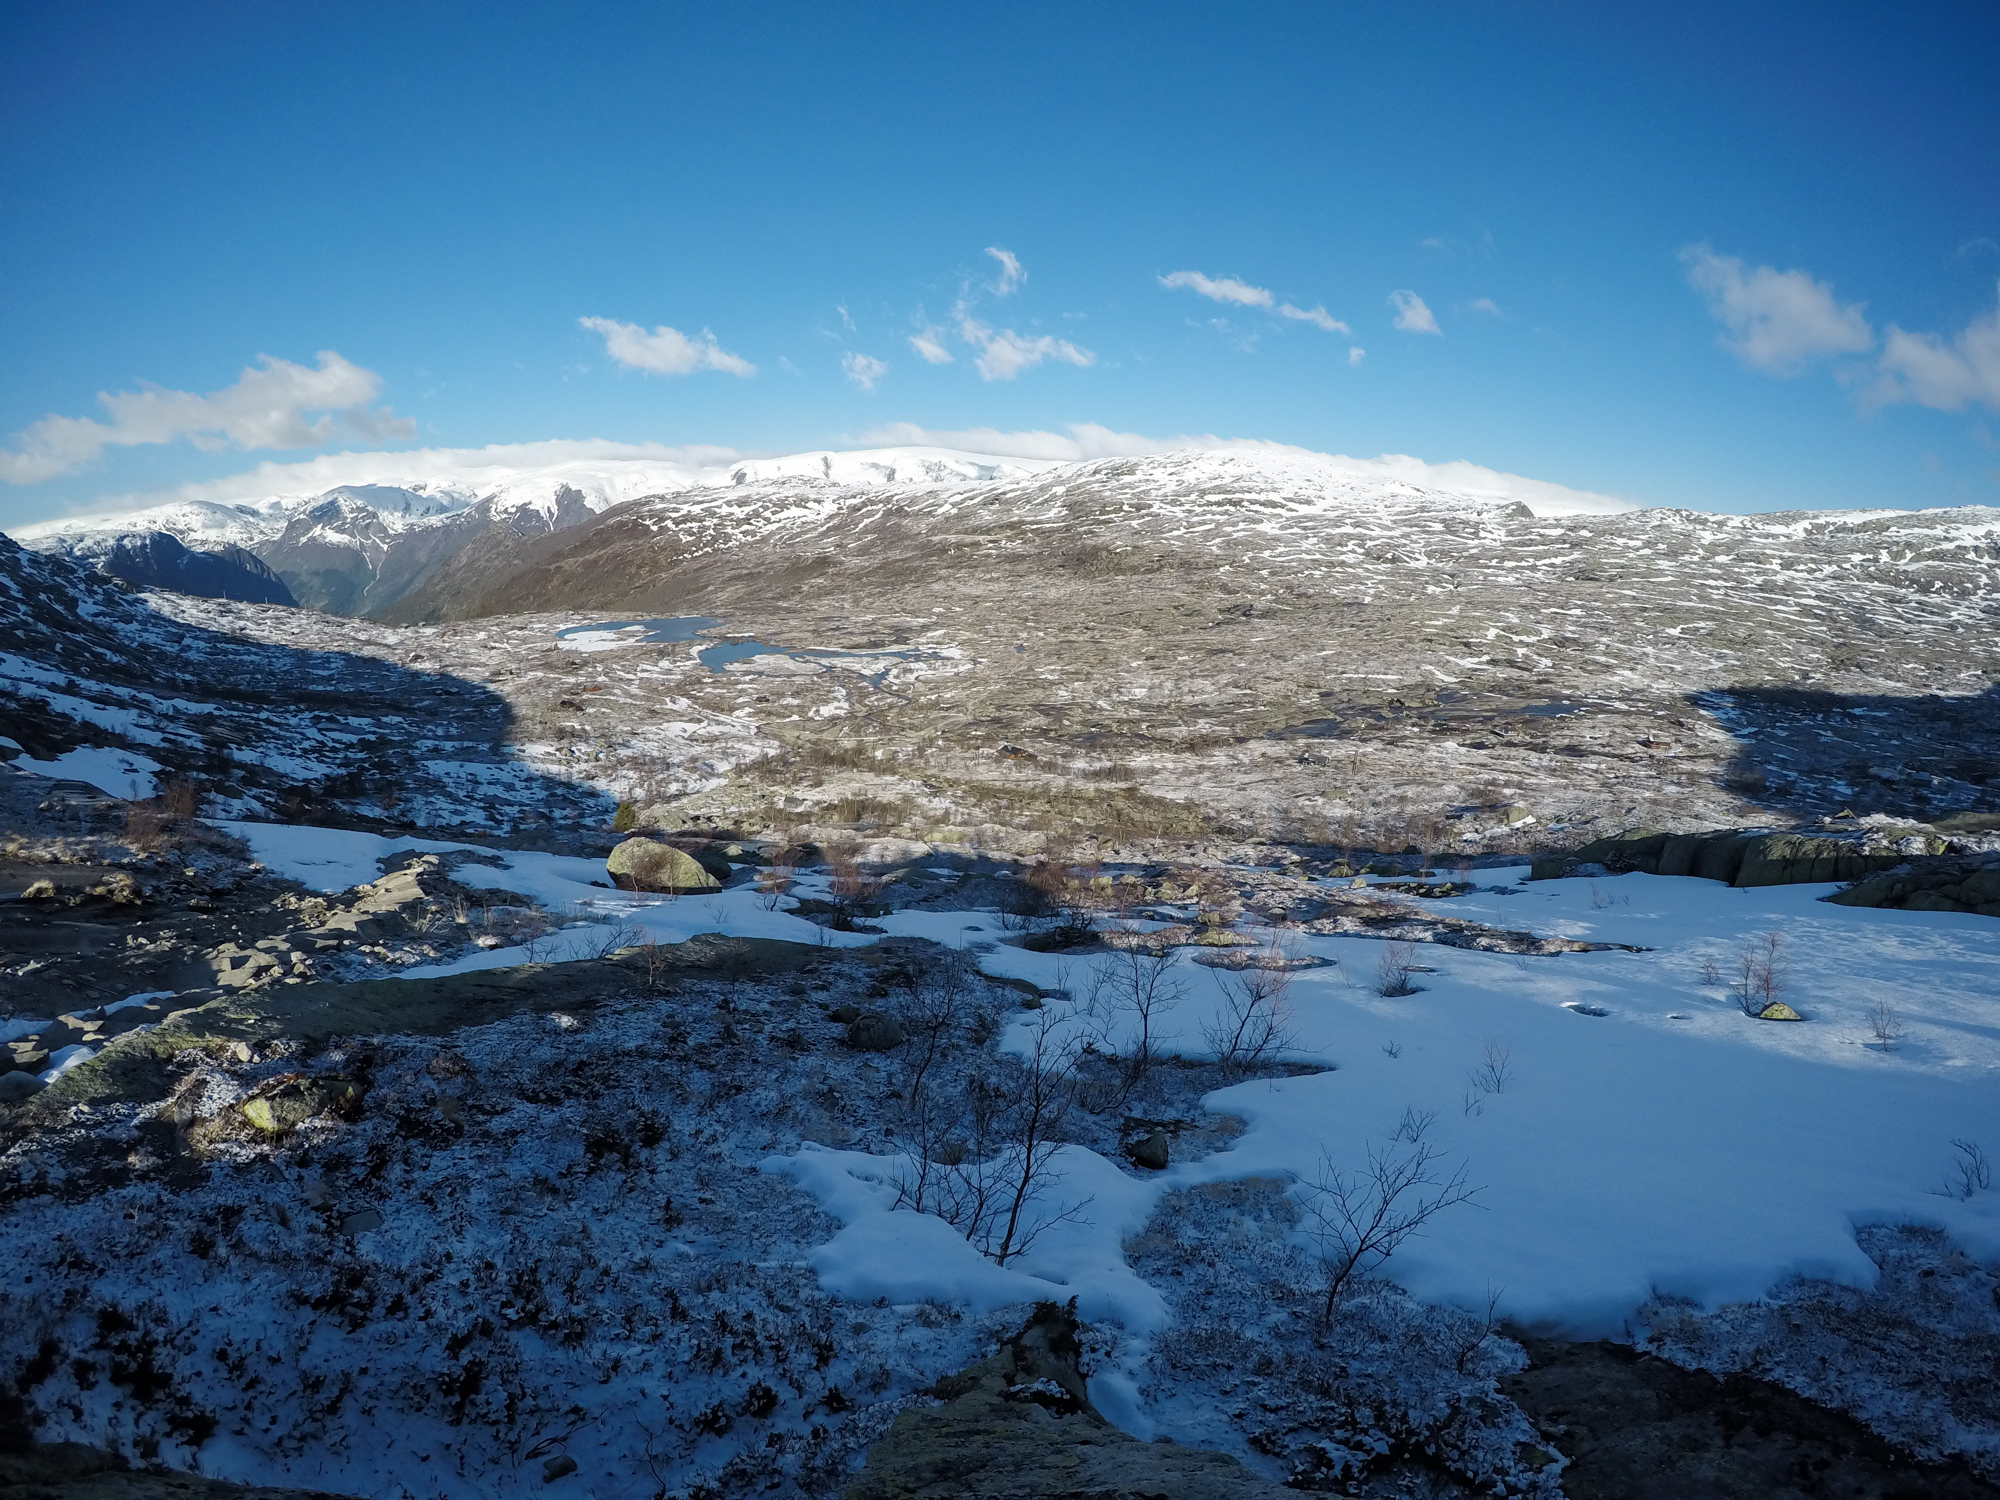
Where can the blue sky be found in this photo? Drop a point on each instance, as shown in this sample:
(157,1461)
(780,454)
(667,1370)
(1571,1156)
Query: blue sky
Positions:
(1731,257)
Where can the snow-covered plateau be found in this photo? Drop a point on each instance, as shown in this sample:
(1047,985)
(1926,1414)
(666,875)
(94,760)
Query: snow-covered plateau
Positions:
(1098,885)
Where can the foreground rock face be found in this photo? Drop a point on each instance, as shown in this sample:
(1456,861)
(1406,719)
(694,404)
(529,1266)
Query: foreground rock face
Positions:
(1931,885)
(71,1471)
(1020,1424)
(1638,1428)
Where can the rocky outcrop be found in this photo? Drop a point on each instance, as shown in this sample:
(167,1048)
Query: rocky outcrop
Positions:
(1739,857)
(1970,884)
(1021,1424)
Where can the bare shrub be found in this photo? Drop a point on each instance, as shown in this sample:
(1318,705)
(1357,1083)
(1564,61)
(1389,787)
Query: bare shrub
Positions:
(985,1162)
(1393,970)
(774,883)
(1971,1172)
(1496,1067)
(1132,992)
(849,887)
(1360,1217)
(1761,973)
(1471,1336)
(1254,1024)
(1884,1024)
(1711,971)
(937,997)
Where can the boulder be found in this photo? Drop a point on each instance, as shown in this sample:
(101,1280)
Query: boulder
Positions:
(1777,1010)
(1149,1151)
(14,1087)
(648,865)
(871,1032)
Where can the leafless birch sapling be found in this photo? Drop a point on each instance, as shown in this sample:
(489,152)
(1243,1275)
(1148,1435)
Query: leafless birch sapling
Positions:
(1254,1026)
(1358,1218)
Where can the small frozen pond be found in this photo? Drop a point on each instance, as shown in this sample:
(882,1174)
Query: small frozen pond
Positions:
(615,633)
(718,657)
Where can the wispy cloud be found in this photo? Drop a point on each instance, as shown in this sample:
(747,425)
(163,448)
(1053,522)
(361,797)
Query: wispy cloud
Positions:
(863,369)
(1011,274)
(665,351)
(1931,371)
(1227,289)
(1218,288)
(846,319)
(929,345)
(1412,314)
(1775,321)
(1319,317)
(1485,305)
(269,406)
(1355,354)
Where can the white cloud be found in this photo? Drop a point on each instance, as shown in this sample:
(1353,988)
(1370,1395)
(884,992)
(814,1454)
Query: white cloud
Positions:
(864,370)
(846,319)
(665,351)
(1776,321)
(1923,368)
(929,345)
(1003,353)
(1412,315)
(1317,316)
(1218,289)
(1228,289)
(1355,355)
(267,407)
(1485,305)
(1011,274)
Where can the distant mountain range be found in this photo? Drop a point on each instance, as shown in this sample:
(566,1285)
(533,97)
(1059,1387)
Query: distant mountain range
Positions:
(360,549)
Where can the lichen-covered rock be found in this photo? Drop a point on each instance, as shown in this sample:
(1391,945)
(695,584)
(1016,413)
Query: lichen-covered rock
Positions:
(648,865)
(1777,1010)
(293,1101)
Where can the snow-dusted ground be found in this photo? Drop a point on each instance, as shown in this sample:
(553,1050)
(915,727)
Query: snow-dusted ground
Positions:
(1671,1145)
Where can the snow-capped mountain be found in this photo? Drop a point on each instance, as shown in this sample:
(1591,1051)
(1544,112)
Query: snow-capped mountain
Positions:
(360,548)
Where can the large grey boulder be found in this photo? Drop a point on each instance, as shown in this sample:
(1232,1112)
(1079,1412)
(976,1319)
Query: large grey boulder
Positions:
(648,865)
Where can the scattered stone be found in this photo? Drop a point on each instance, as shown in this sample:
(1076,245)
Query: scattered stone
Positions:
(361,1221)
(846,1015)
(558,1467)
